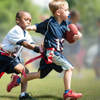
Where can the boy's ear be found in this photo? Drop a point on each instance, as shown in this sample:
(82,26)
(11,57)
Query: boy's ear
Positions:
(58,12)
(17,20)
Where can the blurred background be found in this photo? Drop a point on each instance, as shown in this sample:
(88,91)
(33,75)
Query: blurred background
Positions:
(84,14)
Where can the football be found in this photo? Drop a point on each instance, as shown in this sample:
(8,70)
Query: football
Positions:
(71,31)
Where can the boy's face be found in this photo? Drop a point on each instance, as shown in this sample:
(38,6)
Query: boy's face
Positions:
(24,21)
(64,12)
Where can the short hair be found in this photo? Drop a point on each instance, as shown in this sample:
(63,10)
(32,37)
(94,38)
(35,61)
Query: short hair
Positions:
(19,13)
(54,5)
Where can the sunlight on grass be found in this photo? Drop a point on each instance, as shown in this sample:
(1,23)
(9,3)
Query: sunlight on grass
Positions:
(51,87)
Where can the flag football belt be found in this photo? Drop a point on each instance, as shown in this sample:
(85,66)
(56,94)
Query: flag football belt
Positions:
(48,60)
(4,53)
(9,55)
(51,49)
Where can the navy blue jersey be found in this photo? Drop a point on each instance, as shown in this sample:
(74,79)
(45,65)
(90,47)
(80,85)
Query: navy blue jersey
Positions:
(54,33)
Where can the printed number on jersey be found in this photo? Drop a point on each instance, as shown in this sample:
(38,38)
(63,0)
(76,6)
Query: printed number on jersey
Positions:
(59,43)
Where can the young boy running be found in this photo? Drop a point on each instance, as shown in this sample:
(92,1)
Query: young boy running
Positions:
(11,47)
(54,30)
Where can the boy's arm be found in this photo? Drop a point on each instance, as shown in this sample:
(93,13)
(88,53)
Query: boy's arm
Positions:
(31,46)
(31,28)
(40,27)
(78,36)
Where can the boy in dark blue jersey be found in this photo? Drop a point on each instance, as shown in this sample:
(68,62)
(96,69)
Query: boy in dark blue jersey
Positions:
(54,30)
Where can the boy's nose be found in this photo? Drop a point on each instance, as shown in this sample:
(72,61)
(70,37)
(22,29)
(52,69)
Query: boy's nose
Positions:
(28,22)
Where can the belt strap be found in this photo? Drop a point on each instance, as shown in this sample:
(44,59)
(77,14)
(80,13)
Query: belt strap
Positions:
(51,49)
(49,61)
(1,74)
(4,53)
(9,54)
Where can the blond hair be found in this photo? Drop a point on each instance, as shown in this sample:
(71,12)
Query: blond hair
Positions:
(54,5)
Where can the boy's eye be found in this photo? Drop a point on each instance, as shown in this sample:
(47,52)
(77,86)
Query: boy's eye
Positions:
(25,19)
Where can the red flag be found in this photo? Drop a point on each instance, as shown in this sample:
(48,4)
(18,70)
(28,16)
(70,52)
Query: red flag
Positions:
(1,74)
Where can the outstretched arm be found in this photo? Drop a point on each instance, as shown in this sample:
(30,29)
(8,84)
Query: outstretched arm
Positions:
(31,46)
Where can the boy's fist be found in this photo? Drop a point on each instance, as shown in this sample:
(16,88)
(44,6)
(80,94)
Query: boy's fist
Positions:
(29,28)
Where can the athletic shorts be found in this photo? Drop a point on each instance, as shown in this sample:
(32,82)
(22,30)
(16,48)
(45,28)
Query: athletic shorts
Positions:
(7,64)
(59,64)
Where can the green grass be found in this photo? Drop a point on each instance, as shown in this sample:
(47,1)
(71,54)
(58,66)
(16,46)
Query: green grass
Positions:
(51,87)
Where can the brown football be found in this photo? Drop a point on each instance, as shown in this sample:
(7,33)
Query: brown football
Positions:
(73,30)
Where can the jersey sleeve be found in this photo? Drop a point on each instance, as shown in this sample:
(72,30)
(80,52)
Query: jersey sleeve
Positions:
(42,27)
(29,38)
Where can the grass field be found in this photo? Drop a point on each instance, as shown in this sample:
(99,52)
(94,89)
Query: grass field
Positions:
(51,87)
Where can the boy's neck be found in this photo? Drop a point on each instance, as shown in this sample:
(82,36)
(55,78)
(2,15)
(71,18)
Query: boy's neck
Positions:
(58,20)
(21,28)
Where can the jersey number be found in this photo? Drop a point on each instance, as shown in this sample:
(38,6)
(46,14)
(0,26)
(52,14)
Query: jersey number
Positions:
(58,42)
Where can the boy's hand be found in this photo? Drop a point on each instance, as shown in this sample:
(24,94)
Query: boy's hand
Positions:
(41,48)
(78,36)
(29,28)
(13,55)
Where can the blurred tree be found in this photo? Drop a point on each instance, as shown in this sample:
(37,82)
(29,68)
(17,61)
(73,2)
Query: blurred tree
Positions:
(8,10)
(86,8)
(71,3)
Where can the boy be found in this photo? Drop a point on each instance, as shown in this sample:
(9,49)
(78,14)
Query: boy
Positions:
(54,30)
(96,60)
(17,37)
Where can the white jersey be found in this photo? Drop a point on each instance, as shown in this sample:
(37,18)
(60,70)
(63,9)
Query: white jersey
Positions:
(15,36)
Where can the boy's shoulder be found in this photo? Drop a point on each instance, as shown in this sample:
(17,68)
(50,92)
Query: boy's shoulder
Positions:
(51,19)
(16,28)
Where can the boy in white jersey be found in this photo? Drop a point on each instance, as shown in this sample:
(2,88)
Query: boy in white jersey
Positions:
(11,48)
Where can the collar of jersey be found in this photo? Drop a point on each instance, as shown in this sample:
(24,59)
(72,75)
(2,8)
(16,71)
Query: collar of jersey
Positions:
(55,22)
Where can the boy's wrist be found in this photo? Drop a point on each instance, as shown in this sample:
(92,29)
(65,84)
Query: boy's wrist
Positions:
(36,49)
